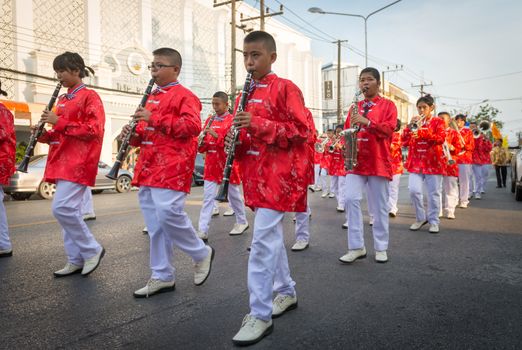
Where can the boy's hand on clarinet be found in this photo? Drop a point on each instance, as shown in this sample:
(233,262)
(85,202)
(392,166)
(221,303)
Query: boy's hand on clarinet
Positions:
(49,117)
(124,132)
(242,120)
(229,138)
(142,114)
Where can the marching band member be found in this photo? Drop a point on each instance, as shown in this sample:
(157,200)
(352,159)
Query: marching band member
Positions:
(481,160)
(325,164)
(274,163)
(7,168)
(317,163)
(213,144)
(424,137)
(464,160)
(336,170)
(75,143)
(373,170)
(397,169)
(450,187)
(167,130)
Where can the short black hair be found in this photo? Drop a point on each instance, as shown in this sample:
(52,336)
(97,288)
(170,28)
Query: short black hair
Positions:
(72,61)
(260,36)
(222,96)
(173,55)
(339,127)
(440,114)
(373,71)
(427,99)
(460,116)
(330,130)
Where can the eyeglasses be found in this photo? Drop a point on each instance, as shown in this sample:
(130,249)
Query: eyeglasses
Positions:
(158,66)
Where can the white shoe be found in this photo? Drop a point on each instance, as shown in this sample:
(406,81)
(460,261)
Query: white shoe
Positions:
(434,228)
(331,195)
(340,209)
(238,229)
(215,211)
(345,225)
(371,221)
(392,214)
(417,225)
(252,330)
(202,235)
(145,230)
(450,216)
(283,303)
(300,245)
(478,196)
(202,268)
(311,188)
(353,254)
(89,216)
(155,286)
(92,264)
(463,206)
(324,195)
(69,269)
(4,253)
(381,256)
(229,212)
(318,189)
(440,214)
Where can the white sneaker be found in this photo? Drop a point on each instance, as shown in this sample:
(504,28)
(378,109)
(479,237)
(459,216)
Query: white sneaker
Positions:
(92,264)
(478,196)
(340,209)
(353,254)
(331,195)
(215,211)
(463,206)
(381,256)
(345,225)
(283,303)
(371,221)
(392,214)
(202,235)
(450,216)
(299,245)
(4,253)
(229,212)
(252,330)
(440,214)
(238,229)
(202,268)
(311,188)
(417,225)
(145,230)
(89,216)
(155,286)
(434,228)
(318,189)
(324,195)
(69,269)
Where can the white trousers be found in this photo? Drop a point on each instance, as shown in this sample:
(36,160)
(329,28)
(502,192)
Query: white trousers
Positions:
(337,188)
(169,226)
(5,242)
(480,171)
(394,193)
(433,187)
(87,205)
(268,269)
(323,180)
(210,191)
(302,225)
(79,242)
(317,169)
(378,194)
(450,188)
(464,181)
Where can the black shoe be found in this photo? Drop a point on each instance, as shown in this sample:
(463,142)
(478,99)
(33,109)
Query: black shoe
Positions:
(6,254)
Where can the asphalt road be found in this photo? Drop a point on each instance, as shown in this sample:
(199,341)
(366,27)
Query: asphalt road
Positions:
(460,289)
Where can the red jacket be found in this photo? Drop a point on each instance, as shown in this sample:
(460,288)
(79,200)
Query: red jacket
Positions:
(75,141)
(396,154)
(312,139)
(374,141)
(425,154)
(317,156)
(7,145)
(466,154)
(326,157)
(455,145)
(215,149)
(482,150)
(336,166)
(168,142)
(273,153)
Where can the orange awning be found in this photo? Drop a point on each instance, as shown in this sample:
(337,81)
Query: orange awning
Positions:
(15,106)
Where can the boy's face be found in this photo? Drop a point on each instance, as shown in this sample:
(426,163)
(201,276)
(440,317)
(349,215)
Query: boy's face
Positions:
(69,78)
(460,123)
(368,84)
(219,105)
(162,70)
(258,59)
(329,134)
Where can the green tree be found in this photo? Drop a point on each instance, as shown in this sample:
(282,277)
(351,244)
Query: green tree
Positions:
(488,113)
(20,151)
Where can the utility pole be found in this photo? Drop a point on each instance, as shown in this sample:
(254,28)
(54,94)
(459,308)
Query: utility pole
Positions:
(339,107)
(264,13)
(422,85)
(388,70)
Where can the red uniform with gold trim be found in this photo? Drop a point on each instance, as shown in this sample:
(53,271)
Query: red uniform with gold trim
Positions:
(482,150)
(168,142)
(374,141)
(336,165)
(465,156)
(425,154)
(396,153)
(454,143)
(75,141)
(273,153)
(7,145)
(326,157)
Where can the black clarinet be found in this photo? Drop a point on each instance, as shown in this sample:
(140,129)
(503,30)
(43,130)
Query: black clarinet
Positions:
(122,152)
(231,151)
(22,167)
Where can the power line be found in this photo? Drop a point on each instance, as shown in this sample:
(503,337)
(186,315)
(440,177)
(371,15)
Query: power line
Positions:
(483,78)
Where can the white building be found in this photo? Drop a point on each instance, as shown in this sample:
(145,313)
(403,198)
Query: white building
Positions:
(116,37)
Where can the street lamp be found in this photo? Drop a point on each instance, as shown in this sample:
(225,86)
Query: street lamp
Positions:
(365,18)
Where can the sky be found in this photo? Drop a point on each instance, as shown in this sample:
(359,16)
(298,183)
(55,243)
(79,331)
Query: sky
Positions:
(470,50)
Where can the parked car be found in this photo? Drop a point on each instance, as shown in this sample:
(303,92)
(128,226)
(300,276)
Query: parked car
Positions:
(197,176)
(516,175)
(23,185)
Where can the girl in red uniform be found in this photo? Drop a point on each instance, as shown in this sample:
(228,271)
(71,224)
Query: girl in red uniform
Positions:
(397,169)
(464,160)
(373,170)
(75,143)
(336,170)
(7,168)
(425,163)
(317,164)
(481,162)
(274,160)
(167,133)
(325,164)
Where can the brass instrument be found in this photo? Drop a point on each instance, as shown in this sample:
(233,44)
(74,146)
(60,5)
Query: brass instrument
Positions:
(319,147)
(350,137)
(447,153)
(203,133)
(483,127)
(414,126)
(331,149)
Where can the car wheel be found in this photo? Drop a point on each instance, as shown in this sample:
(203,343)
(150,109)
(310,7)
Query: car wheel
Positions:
(96,191)
(21,196)
(123,184)
(46,190)
(518,193)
